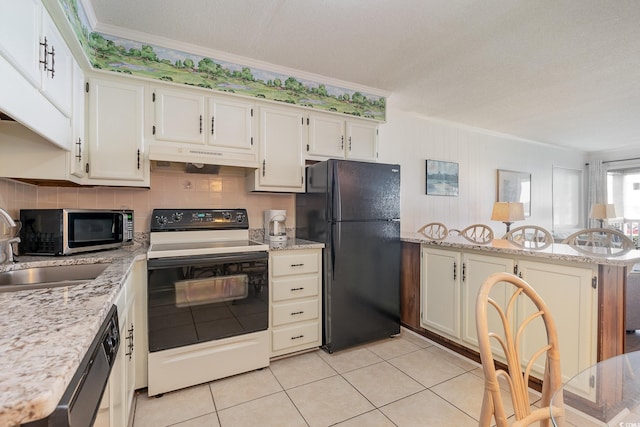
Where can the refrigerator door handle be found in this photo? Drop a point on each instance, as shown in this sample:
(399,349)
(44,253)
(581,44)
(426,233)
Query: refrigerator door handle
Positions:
(337,198)
(335,247)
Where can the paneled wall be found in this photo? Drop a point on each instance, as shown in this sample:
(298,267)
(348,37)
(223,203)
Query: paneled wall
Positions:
(169,189)
(410,139)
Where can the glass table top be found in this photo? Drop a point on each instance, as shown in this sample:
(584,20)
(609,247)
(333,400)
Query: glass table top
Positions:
(605,394)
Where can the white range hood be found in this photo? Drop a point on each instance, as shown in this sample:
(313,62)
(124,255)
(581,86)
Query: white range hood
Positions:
(201,155)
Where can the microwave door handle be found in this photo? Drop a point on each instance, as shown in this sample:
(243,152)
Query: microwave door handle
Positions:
(123,222)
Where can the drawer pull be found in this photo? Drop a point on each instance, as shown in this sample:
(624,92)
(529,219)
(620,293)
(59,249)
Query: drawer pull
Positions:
(297,312)
(297,289)
(297,337)
(297,265)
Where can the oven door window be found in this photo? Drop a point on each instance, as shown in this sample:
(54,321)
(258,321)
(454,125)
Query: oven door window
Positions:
(198,299)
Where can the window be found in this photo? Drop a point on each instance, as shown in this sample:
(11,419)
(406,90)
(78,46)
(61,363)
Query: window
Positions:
(567,198)
(623,190)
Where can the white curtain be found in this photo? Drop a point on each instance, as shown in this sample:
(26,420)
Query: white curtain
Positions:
(597,187)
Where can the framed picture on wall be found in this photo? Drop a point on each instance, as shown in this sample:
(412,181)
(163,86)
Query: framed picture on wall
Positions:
(442,178)
(515,187)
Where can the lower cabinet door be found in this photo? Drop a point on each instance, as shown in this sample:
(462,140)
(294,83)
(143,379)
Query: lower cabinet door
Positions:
(440,293)
(475,270)
(572,300)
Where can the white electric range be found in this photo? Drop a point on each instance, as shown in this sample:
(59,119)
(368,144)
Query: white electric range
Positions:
(208,298)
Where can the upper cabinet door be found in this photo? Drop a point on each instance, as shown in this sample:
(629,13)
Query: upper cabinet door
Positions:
(229,124)
(20,28)
(78,155)
(281,138)
(326,136)
(362,140)
(179,116)
(57,81)
(116,112)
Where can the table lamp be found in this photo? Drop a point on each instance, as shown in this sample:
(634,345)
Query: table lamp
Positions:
(602,211)
(507,212)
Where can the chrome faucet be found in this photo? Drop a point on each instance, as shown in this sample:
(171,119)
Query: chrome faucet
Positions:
(6,254)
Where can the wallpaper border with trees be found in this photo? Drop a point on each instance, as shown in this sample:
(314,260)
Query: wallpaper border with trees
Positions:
(125,56)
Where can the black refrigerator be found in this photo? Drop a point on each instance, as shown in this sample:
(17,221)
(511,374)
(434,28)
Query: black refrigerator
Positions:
(354,209)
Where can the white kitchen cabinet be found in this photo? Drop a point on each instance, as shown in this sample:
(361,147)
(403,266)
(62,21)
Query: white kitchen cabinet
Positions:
(572,300)
(116,407)
(57,80)
(29,93)
(213,129)
(451,279)
(116,143)
(140,337)
(296,306)
(20,31)
(31,42)
(78,153)
(333,137)
(475,269)
(326,137)
(179,116)
(362,140)
(230,124)
(440,291)
(281,140)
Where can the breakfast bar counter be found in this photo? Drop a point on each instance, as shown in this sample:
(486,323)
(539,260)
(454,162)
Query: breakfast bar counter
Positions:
(605,274)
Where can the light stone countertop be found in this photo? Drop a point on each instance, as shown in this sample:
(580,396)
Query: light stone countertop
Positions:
(555,251)
(293,244)
(45,333)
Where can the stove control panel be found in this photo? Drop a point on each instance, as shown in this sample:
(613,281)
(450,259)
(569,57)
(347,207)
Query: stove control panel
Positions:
(199,219)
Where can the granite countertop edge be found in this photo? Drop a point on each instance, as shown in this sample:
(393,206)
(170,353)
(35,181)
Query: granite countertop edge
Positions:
(554,251)
(293,244)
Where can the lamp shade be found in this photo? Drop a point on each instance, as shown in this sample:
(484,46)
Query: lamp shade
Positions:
(602,211)
(507,211)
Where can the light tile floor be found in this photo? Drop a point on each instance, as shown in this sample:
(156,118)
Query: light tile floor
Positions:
(401,381)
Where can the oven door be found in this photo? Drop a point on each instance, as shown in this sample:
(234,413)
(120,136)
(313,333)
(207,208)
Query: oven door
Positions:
(203,298)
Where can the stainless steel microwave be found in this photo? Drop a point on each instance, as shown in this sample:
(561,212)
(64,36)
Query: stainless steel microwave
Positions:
(70,231)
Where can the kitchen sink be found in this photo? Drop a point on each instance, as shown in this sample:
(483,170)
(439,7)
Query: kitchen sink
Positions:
(49,277)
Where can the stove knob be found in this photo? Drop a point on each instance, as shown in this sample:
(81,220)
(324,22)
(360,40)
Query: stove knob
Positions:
(226,216)
(239,218)
(177,216)
(162,220)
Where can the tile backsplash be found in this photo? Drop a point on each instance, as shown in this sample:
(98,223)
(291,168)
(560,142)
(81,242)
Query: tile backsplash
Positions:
(170,188)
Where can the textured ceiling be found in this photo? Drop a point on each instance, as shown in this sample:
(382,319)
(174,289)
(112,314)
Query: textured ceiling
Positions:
(564,72)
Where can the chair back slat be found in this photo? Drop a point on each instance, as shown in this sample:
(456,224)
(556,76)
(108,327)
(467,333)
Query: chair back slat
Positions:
(517,374)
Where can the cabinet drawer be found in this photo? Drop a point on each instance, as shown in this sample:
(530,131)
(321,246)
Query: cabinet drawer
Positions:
(294,335)
(297,311)
(298,287)
(287,265)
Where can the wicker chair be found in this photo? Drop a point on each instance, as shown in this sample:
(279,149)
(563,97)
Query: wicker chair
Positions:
(600,237)
(434,231)
(529,236)
(508,336)
(476,233)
